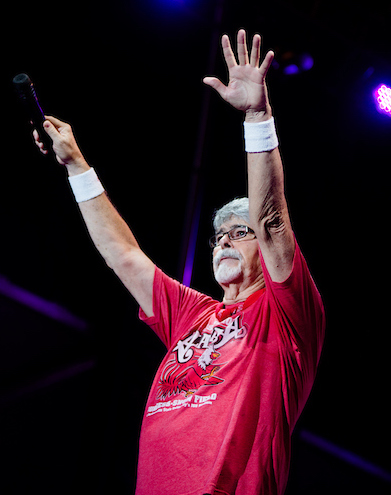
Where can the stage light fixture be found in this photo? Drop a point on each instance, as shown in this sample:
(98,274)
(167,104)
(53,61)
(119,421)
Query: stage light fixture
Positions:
(382,96)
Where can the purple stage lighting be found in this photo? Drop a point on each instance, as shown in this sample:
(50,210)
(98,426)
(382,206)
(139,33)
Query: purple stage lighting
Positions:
(306,61)
(291,69)
(293,63)
(382,97)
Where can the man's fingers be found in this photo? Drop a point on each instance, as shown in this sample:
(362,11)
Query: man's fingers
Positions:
(242,47)
(38,142)
(228,53)
(255,51)
(266,63)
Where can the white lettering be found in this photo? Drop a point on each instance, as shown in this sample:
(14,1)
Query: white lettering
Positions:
(231,331)
(221,335)
(200,399)
(204,341)
(184,347)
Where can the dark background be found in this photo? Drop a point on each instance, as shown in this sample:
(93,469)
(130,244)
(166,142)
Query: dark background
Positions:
(128,76)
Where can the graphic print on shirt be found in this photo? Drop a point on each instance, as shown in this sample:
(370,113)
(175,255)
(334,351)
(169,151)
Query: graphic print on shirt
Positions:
(196,359)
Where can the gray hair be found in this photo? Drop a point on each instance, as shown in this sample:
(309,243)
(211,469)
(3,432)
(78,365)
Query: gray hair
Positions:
(238,207)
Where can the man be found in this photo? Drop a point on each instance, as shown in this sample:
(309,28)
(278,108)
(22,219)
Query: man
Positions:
(237,373)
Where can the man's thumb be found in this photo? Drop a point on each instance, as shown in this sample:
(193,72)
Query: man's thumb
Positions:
(215,84)
(50,129)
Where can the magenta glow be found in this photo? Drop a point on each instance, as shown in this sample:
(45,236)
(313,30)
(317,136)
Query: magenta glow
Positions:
(382,97)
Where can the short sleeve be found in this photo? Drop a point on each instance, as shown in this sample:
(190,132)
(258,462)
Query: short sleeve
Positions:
(175,308)
(298,307)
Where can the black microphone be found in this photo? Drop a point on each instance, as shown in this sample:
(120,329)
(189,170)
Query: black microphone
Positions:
(26,93)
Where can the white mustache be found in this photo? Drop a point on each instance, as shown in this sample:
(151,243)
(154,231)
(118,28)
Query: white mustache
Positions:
(226,253)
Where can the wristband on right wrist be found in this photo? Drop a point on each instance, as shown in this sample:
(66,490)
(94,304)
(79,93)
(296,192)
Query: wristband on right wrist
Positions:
(86,186)
(260,136)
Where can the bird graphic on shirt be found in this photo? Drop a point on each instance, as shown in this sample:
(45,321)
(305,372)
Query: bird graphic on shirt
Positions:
(199,371)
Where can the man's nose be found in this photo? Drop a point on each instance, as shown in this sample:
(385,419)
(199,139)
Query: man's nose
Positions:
(225,241)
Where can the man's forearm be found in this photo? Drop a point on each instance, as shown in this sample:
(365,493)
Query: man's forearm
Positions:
(265,187)
(268,206)
(109,232)
(119,248)
(269,214)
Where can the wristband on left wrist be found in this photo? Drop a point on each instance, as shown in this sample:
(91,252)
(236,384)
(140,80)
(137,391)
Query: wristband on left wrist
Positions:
(260,136)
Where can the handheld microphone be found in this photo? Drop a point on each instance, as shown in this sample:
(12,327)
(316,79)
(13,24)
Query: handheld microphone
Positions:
(26,93)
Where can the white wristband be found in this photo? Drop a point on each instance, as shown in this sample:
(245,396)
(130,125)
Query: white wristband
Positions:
(86,186)
(260,136)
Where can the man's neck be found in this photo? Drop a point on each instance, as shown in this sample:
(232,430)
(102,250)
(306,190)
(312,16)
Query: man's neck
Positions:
(239,292)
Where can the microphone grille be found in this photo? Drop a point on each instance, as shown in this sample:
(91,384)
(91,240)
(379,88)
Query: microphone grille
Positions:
(21,80)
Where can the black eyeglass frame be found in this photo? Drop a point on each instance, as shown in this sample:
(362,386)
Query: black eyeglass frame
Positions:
(215,239)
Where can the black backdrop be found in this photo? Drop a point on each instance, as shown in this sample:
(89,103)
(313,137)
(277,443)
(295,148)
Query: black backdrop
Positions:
(128,76)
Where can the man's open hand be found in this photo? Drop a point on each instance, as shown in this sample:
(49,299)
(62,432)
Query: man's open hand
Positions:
(246,89)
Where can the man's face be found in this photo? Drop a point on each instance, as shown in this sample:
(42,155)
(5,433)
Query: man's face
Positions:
(236,261)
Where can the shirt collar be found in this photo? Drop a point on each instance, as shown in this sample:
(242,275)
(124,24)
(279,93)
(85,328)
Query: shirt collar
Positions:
(223,311)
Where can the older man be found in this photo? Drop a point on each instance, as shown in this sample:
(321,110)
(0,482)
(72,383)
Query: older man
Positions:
(237,373)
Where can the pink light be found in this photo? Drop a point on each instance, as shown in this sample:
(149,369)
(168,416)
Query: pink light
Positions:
(382,97)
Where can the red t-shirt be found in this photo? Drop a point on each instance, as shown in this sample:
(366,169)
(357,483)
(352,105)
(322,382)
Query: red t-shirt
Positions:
(228,393)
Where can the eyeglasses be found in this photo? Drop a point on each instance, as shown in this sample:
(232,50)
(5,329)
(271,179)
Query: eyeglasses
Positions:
(235,234)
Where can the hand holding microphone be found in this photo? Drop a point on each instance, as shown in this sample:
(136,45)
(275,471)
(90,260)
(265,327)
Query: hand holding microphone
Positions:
(49,132)
(64,143)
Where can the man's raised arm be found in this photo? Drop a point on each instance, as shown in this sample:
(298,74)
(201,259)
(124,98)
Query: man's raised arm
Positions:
(109,232)
(269,215)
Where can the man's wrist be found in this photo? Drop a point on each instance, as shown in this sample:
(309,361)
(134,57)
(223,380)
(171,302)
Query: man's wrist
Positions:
(77,166)
(253,116)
